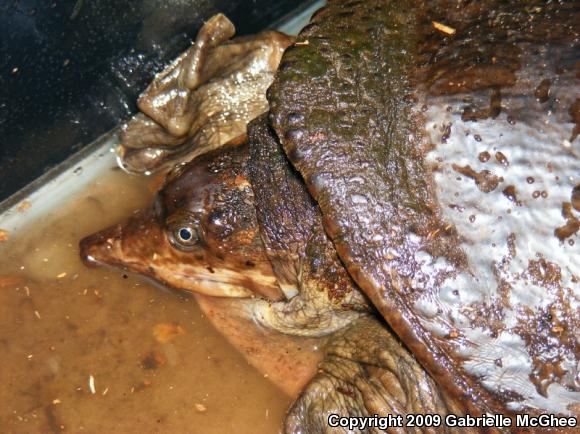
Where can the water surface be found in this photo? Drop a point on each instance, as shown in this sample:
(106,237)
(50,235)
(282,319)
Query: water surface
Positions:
(99,351)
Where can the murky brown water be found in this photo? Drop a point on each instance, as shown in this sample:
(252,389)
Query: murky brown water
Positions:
(157,365)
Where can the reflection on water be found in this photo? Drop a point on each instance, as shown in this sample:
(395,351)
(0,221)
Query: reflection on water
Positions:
(95,351)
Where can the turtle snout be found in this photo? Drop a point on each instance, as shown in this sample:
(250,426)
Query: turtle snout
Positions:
(97,248)
(126,244)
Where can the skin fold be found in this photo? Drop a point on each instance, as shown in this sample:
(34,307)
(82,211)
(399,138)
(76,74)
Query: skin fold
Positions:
(203,99)
(288,361)
(321,296)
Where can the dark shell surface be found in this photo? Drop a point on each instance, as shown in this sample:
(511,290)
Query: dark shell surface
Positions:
(382,112)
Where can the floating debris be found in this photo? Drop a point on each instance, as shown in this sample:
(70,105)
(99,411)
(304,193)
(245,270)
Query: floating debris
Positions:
(61,275)
(443,28)
(23,206)
(78,6)
(92,384)
(165,332)
(153,360)
(11,281)
(200,407)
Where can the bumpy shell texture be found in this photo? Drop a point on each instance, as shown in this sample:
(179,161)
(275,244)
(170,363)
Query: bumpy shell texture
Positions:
(441,145)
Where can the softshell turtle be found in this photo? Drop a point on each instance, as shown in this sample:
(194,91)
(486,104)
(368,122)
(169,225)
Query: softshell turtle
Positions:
(434,176)
(210,232)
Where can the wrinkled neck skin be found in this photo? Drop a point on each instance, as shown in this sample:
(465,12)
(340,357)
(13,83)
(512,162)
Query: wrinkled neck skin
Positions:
(290,362)
(322,297)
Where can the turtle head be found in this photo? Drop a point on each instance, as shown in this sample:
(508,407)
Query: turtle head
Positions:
(200,235)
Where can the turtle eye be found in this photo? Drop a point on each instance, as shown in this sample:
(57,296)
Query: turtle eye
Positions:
(184,237)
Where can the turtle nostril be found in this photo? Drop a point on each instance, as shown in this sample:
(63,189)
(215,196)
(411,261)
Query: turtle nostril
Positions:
(111,246)
(87,248)
(95,249)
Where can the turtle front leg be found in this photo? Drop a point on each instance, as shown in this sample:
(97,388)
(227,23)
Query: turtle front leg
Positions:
(327,299)
(367,372)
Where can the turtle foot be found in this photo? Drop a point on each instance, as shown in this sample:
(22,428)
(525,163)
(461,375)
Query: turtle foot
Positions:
(366,372)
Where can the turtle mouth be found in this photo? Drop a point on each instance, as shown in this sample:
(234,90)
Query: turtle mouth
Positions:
(105,248)
(95,249)
(221,283)
(134,240)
